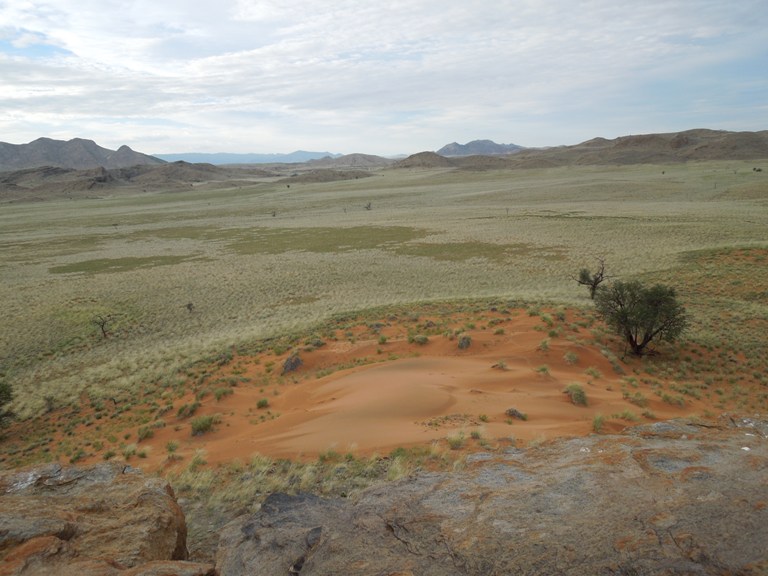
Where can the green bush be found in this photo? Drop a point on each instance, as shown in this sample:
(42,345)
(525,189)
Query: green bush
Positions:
(203,424)
(597,423)
(576,394)
(145,432)
(570,358)
(187,410)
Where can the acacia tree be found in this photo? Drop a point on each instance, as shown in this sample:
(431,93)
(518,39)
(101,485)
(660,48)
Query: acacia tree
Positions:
(640,314)
(102,321)
(592,280)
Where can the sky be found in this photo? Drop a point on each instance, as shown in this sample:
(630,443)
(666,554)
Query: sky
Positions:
(376,77)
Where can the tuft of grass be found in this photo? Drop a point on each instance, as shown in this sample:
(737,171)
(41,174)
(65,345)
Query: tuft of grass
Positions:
(594,372)
(144,433)
(571,358)
(627,415)
(576,393)
(262,403)
(203,424)
(597,423)
(456,441)
(187,410)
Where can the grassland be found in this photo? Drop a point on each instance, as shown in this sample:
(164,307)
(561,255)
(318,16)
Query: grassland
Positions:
(263,260)
(267,268)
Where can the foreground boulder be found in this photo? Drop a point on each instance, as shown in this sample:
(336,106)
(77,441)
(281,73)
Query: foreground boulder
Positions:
(105,520)
(668,498)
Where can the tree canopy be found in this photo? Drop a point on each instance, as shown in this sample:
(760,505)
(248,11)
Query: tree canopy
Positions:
(641,314)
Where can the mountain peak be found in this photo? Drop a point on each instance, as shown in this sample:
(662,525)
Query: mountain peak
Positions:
(77,154)
(478,147)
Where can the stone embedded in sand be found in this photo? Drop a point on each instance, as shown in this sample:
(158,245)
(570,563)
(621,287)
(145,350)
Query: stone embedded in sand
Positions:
(292,363)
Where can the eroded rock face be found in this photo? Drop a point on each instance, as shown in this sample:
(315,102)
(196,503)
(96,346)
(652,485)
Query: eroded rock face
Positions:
(667,498)
(104,520)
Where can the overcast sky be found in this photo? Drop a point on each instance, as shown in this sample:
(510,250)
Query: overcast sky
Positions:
(373,76)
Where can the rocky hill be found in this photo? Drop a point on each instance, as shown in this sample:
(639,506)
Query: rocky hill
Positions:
(478,147)
(46,183)
(685,146)
(352,161)
(75,154)
(674,498)
(673,147)
(424,160)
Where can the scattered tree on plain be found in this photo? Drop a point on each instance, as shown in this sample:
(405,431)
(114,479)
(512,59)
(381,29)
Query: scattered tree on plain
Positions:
(592,280)
(102,321)
(640,314)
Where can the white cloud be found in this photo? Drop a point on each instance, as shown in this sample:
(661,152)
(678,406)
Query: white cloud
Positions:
(353,75)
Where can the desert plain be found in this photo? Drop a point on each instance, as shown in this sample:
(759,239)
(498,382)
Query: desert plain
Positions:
(288,319)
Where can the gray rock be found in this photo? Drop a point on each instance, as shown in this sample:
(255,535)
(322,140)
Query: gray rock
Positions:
(681,498)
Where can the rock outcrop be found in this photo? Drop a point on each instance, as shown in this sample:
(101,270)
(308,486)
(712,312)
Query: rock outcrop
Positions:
(105,520)
(667,498)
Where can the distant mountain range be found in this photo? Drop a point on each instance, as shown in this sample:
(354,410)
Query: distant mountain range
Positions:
(478,148)
(220,158)
(78,154)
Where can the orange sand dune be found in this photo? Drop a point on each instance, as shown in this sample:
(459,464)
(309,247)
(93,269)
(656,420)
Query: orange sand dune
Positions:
(413,400)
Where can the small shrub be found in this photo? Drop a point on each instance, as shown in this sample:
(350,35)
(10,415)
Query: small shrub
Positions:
(597,423)
(109,454)
(203,424)
(456,441)
(544,345)
(419,339)
(515,413)
(79,455)
(594,372)
(570,358)
(263,403)
(483,418)
(382,339)
(172,446)
(543,370)
(219,393)
(187,410)
(638,400)
(144,433)
(627,415)
(576,394)
(464,341)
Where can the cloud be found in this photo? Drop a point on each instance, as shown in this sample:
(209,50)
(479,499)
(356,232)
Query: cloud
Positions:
(251,75)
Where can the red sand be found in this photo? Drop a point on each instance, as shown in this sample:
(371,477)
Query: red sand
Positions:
(441,392)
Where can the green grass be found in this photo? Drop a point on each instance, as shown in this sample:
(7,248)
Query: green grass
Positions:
(203,424)
(432,236)
(576,393)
